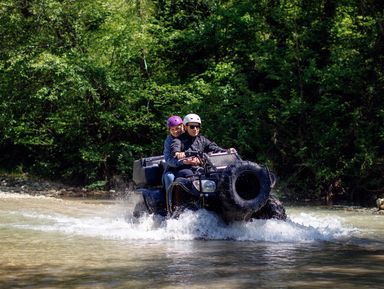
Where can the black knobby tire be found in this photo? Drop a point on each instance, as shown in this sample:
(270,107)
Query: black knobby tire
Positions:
(140,209)
(181,209)
(273,209)
(248,186)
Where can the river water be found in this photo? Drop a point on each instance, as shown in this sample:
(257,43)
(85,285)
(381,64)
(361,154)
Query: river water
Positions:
(57,243)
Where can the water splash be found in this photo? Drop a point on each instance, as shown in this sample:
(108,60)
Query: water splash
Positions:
(115,221)
(189,226)
(303,228)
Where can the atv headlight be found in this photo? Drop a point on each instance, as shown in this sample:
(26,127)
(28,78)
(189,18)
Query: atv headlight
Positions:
(208,186)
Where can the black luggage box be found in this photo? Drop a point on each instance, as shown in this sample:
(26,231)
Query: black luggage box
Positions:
(148,171)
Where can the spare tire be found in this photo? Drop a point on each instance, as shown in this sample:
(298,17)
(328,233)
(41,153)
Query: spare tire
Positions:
(248,186)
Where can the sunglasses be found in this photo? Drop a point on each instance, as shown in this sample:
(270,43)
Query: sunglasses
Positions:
(194,126)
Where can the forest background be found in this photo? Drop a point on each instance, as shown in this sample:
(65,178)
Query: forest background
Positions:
(86,87)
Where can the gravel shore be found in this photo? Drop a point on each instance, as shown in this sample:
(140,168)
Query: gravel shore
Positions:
(37,187)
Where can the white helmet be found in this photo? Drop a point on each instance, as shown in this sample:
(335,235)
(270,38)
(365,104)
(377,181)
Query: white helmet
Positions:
(191,118)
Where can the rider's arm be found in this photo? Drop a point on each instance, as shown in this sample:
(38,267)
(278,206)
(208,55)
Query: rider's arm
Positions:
(210,146)
(174,147)
(170,160)
(179,156)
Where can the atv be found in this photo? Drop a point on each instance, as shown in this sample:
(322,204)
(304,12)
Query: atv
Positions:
(235,189)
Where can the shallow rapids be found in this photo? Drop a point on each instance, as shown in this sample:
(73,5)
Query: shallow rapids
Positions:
(80,243)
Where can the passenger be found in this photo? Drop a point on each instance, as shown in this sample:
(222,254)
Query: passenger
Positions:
(176,128)
(192,140)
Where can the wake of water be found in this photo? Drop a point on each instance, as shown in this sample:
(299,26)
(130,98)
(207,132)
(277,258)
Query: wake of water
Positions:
(115,222)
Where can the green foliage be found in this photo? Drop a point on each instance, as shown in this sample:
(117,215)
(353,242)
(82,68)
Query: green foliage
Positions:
(86,86)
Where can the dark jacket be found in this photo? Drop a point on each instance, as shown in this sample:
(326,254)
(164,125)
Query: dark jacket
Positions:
(188,143)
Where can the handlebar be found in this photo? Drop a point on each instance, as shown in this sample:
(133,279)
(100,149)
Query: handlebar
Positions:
(218,160)
(193,154)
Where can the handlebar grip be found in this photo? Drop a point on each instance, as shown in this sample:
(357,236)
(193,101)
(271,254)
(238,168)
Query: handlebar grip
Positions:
(193,153)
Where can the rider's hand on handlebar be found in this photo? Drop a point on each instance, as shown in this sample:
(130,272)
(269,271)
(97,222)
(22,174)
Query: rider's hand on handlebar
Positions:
(196,161)
(193,161)
(180,155)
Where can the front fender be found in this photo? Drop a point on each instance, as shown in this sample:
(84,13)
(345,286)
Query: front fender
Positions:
(152,199)
(181,192)
(187,186)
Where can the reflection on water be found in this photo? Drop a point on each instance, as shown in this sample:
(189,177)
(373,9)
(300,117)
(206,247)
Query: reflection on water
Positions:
(53,243)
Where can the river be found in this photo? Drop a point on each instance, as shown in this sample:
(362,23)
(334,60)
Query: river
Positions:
(79,243)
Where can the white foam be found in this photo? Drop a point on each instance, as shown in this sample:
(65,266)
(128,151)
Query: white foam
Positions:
(190,226)
(115,221)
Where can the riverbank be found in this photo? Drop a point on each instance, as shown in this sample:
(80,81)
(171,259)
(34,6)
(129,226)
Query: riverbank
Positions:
(40,187)
(24,184)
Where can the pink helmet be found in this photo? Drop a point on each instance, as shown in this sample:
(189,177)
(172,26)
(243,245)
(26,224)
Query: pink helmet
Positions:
(174,120)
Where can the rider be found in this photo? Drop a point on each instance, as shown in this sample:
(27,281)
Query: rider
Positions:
(176,128)
(191,140)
